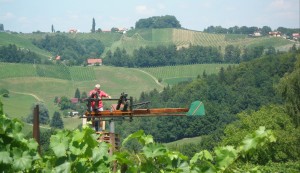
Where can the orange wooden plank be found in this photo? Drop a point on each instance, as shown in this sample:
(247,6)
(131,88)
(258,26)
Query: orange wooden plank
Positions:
(140,112)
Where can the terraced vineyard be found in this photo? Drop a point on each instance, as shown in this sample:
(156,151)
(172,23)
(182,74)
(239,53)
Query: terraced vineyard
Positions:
(174,74)
(183,38)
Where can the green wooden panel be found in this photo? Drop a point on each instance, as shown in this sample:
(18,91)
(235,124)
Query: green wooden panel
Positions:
(196,109)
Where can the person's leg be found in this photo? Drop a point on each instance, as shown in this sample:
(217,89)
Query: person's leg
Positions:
(98,123)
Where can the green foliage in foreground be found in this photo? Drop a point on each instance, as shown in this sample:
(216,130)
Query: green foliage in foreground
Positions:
(79,151)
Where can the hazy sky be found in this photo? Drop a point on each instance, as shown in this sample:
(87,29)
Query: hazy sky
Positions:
(33,15)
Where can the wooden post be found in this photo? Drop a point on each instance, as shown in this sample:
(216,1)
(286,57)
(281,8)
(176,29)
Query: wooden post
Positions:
(36,126)
(112,142)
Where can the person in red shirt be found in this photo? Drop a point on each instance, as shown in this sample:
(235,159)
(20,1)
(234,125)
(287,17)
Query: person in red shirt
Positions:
(97,93)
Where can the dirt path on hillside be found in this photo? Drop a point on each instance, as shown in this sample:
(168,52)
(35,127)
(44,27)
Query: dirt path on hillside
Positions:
(30,94)
(154,78)
(40,126)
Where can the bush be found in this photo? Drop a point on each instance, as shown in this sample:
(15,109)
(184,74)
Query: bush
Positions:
(4,92)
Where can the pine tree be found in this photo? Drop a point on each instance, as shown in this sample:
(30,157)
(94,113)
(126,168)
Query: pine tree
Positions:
(56,121)
(52,29)
(77,93)
(1,27)
(93,26)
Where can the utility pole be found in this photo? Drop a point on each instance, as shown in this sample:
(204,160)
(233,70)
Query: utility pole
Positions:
(36,126)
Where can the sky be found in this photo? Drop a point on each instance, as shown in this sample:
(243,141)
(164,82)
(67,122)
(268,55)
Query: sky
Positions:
(28,16)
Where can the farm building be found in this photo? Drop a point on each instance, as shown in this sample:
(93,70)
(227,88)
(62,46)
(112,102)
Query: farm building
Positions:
(275,34)
(296,36)
(94,61)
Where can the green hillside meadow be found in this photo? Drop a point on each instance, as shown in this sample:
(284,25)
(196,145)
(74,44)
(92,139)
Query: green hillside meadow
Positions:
(30,83)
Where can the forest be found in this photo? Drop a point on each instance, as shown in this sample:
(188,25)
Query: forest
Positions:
(261,92)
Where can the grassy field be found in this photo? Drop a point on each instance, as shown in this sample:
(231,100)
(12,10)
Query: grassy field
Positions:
(195,140)
(27,88)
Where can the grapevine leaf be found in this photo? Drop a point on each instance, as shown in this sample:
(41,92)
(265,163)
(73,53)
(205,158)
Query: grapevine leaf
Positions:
(63,168)
(5,158)
(59,144)
(18,125)
(203,155)
(137,134)
(99,153)
(4,125)
(32,144)
(154,150)
(21,161)
(78,136)
(225,156)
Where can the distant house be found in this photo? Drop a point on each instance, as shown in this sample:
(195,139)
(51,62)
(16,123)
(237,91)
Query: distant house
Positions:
(74,100)
(123,30)
(255,34)
(296,36)
(72,30)
(57,57)
(275,34)
(94,61)
(73,113)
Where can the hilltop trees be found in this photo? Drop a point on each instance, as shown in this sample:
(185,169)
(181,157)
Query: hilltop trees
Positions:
(13,54)
(72,51)
(169,55)
(93,26)
(52,29)
(1,27)
(167,21)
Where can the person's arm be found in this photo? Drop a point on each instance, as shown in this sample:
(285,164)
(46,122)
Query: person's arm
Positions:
(106,95)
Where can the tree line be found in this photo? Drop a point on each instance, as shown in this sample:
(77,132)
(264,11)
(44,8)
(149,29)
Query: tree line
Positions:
(194,54)
(13,54)
(72,51)
(249,30)
(167,21)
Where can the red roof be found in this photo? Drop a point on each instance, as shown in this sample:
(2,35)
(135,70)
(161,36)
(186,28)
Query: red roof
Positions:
(74,100)
(57,57)
(94,61)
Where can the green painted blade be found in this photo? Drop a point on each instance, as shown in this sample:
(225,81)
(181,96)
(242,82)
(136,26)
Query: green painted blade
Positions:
(196,109)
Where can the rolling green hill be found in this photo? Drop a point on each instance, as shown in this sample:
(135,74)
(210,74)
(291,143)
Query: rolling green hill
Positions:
(135,39)
(22,42)
(30,83)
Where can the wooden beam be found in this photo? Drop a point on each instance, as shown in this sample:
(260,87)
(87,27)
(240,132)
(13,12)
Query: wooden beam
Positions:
(140,112)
